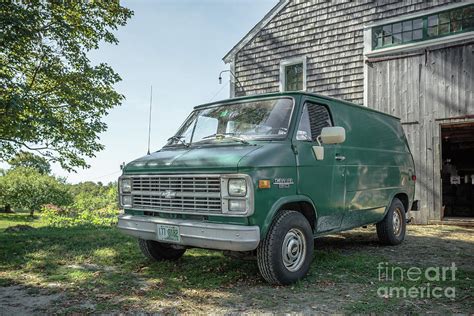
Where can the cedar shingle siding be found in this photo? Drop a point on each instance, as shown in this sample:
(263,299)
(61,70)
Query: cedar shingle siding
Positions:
(329,34)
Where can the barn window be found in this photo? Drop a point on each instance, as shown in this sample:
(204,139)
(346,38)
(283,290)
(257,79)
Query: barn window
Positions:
(426,27)
(293,74)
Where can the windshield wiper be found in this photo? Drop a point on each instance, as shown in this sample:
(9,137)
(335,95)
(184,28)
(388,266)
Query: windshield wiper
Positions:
(179,139)
(215,135)
(227,135)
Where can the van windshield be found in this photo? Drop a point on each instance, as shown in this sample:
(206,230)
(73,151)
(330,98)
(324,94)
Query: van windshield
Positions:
(251,120)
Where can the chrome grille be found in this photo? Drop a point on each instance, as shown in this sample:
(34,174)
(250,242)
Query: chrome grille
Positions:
(179,194)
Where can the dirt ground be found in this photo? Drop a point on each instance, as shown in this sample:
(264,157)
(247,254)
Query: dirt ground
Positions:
(431,245)
(322,292)
(18,300)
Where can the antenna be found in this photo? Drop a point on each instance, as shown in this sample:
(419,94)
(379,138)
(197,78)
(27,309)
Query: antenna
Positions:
(149,120)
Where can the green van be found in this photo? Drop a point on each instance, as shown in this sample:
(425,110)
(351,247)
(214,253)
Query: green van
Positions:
(267,174)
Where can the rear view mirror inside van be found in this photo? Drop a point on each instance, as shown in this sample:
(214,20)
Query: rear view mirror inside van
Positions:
(333,135)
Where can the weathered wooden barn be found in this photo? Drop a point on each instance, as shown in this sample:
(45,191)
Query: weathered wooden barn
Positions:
(413,59)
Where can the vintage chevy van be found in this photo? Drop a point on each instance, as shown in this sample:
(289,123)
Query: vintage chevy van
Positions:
(267,174)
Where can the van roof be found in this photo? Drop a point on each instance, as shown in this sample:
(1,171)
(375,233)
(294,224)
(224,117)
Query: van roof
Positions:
(296,93)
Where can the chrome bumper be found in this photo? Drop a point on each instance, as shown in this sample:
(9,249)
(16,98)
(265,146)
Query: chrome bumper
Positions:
(194,233)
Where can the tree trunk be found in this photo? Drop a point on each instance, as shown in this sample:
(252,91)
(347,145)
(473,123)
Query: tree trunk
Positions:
(8,209)
(32,212)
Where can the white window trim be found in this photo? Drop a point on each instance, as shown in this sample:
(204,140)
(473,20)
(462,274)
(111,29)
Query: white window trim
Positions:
(369,52)
(420,13)
(403,48)
(290,62)
(232,80)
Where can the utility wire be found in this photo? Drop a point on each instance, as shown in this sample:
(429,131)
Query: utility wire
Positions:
(106,175)
(219,91)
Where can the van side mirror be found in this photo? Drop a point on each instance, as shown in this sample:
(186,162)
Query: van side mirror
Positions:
(333,135)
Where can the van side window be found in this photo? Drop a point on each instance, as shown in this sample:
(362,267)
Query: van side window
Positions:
(313,119)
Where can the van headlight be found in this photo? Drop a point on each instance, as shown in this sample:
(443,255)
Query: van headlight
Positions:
(237,187)
(125,185)
(237,194)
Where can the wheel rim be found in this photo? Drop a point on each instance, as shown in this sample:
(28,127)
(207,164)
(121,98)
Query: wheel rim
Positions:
(397,221)
(293,250)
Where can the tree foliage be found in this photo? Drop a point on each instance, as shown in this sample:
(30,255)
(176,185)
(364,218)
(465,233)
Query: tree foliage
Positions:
(90,196)
(27,189)
(30,160)
(52,98)
(93,204)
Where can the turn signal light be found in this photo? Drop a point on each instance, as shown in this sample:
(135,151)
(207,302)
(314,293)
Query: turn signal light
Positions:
(264,184)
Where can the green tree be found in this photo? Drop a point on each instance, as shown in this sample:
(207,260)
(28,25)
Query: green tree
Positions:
(90,196)
(30,160)
(52,98)
(27,189)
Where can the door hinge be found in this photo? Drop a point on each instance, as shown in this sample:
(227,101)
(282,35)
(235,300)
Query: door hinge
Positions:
(293,147)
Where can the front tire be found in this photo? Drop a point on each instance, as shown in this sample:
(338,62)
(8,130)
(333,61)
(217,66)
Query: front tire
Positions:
(391,230)
(159,251)
(285,255)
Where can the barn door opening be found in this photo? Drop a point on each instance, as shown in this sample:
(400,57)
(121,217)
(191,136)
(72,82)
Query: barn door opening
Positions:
(458,170)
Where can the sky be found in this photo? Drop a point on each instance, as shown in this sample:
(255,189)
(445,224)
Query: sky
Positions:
(177,47)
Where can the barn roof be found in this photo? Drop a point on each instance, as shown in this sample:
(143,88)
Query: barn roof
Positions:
(254,31)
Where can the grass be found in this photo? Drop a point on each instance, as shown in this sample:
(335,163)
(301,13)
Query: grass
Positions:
(7,220)
(102,266)
(100,260)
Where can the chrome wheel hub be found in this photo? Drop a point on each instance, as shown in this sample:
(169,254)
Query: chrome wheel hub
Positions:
(293,249)
(397,222)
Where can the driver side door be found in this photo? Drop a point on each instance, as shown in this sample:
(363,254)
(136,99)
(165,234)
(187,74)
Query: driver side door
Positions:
(322,180)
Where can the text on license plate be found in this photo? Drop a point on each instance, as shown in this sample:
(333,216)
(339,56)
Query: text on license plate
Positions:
(168,233)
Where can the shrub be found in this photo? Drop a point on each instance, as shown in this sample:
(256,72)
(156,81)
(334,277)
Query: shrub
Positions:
(93,204)
(90,196)
(68,218)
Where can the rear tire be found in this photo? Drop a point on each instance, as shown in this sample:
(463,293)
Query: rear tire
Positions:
(391,230)
(285,255)
(159,251)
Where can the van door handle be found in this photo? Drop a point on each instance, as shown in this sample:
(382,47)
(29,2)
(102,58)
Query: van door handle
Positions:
(340,158)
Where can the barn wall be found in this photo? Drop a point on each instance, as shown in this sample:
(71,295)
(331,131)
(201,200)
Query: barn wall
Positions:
(425,90)
(329,34)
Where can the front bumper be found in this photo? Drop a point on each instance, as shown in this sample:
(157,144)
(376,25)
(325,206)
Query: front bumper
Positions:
(194,233)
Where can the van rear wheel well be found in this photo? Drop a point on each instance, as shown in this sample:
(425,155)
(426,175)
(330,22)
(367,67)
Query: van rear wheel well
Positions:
(404,199)
(304,208)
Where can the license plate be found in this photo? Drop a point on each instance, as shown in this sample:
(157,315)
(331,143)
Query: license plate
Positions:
(168,233)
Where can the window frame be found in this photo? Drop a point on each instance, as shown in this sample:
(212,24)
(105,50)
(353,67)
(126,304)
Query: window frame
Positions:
(290,62)
(300,115)
(425,28)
